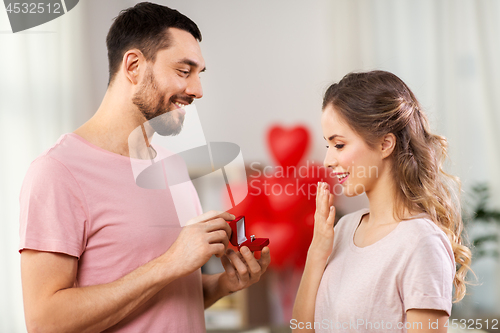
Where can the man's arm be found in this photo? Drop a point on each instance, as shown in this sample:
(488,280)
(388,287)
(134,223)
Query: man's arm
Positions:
(241,271)
(53,304)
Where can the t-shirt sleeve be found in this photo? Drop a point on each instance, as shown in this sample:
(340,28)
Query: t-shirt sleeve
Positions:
(53,211)
(427,280)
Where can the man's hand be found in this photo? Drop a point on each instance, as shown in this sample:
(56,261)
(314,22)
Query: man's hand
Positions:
(204,236)
(242,269)
(210,215)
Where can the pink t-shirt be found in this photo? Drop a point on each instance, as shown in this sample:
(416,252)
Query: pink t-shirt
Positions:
(83,201)
(370,289)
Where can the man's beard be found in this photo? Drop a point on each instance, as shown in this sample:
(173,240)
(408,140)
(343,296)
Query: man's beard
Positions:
(159,117)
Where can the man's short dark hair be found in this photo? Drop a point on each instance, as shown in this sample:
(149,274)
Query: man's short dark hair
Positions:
(144,27)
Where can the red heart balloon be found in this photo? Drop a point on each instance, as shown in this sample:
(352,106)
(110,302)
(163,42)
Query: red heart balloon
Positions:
(283,238)
(283,194)
(306,230)
(256,203)
(288,146)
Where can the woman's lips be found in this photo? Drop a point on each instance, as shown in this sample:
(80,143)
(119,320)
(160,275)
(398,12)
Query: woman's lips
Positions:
(343,179)
(342,176)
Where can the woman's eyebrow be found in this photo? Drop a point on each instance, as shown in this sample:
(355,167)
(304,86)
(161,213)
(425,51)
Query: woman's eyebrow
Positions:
(333,137)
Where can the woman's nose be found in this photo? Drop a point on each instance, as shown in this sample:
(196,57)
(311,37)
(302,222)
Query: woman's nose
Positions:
(330,162)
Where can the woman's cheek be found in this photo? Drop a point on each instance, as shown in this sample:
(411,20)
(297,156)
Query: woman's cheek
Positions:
(348,162)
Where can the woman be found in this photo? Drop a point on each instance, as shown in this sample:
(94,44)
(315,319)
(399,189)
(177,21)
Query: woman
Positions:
(389,268)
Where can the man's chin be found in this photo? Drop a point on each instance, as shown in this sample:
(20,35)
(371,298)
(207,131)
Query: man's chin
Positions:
(166,125)
(169,131)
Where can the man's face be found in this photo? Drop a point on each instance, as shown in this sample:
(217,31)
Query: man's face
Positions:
(171,83)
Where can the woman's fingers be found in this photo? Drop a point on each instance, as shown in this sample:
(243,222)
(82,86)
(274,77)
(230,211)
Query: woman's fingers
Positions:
(331,216)
(324,219)
(325,211)
(323,200)
(318,191)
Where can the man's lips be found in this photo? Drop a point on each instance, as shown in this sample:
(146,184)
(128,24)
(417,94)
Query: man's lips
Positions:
(180,106)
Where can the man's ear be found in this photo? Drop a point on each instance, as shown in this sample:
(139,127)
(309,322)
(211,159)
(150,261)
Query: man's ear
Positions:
(132,64)
(387,144)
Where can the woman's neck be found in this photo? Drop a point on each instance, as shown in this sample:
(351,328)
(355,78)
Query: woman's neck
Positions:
(382,198)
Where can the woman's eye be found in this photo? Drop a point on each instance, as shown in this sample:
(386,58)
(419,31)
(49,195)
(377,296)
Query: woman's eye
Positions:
(338,146)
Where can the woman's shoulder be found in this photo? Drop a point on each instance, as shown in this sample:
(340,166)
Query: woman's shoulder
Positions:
(424,232)
(421,226)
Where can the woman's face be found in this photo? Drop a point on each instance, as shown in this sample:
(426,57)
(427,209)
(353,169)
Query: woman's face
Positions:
(355,164)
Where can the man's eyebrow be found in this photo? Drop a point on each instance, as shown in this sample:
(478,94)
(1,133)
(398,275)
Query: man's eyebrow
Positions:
(191,63)
(333,137)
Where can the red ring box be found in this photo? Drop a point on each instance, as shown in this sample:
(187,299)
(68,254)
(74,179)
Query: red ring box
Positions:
(239,236)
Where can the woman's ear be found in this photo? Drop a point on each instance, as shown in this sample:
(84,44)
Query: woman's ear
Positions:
(387,145)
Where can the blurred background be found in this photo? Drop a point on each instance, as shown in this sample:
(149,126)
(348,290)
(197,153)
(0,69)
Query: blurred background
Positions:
(268,64)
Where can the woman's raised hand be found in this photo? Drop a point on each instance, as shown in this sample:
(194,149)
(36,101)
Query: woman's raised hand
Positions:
(324,219)
(320,249)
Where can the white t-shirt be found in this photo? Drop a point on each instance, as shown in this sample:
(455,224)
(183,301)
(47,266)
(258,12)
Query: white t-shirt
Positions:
(370,289)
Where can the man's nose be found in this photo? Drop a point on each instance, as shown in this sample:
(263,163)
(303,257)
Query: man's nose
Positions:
(194,88)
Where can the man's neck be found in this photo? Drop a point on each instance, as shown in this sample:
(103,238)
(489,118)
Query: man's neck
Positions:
(111,125)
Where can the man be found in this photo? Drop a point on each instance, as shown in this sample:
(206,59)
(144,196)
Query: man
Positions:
(97,251)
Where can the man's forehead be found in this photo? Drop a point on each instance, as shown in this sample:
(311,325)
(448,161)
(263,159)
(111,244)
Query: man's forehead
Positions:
(184,49)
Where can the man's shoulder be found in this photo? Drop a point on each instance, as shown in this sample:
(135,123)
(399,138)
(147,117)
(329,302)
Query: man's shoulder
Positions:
(53,156)
(60,150)
(50,164)
(56,162)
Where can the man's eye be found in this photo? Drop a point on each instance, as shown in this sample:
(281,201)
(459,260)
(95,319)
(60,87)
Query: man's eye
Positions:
(184,72)
(339,146)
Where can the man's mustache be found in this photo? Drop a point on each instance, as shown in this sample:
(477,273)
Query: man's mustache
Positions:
(183,99)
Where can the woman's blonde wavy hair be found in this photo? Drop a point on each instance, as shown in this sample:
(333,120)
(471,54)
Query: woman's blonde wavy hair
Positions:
(377,103)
